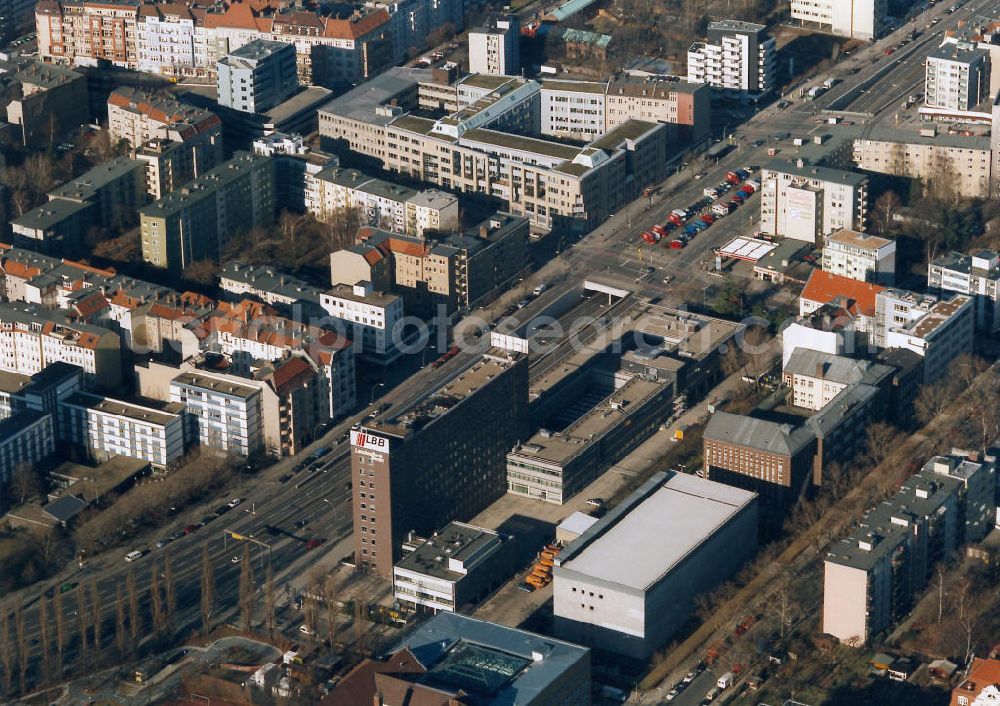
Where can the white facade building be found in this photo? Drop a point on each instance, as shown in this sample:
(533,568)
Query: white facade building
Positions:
(493,48)
(108,427)
(573,109)
(226,410)
(371,320)
(937,331)
(737,56)
(858,19)
(866,258)
(976,275)
(957,77)
(622,588)
(807,203)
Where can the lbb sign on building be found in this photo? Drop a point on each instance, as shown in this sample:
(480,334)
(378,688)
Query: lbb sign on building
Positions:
(366,440)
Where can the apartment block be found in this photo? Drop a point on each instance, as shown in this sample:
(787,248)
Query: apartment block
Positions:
(48,95)
(660,99)
(815,378)
(194,222)
(860,256)
(736,56)
(808,203)
(181,41)
(226,415)
(494,47)
(857,19)
(382,204)
(436,459)
(458,565)
(957,77)
(372,320)
(850,299)
(873,577)
(555,185)
(137,116)
(457,270)
(937,330)
(573,109)
(56,226)
(26,438)
(296,168)
(976,275)
(960,163)
(620,587)
(32,338)
(257,76)
(106,427)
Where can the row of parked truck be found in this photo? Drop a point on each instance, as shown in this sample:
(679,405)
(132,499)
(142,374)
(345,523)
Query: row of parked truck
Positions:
(541,572)
(700,215)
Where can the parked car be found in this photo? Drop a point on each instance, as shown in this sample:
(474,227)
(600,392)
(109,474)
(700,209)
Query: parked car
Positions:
(133,555)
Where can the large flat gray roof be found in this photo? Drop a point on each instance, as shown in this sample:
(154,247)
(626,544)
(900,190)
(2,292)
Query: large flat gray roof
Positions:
(439,637)
(637,547)
(360,103)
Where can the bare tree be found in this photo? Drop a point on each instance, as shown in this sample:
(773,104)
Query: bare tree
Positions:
(246,590)
(96,616)
(311,610)
(82,621)
(43,630)
(940,575)
(25,483)
(6,649)
(932,399)
(170,588)
(207,590)
(329,586)
(119,620)
(60,612)
(269,610)
(343,226)
(880,440)
(133,609)
(965,616)
(23,656)
(155,598)
(984,409)
(884,212)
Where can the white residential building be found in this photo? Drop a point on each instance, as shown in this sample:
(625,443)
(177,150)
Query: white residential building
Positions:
(815,378)
(267,284)
(807,203)
(738,56)
(108,427)
(382,204)
(976,275)
(170,40)
(858,19)
(957,77)
(937,331)
(31,338)
(371,320)
(226,410)
(866,258)
(493,48)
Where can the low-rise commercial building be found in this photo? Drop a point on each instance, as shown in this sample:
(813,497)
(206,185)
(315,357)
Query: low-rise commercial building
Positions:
(857,19)
(736,56)
(976,275)
(226,415)
(195,222)
(458,565)
(437,458)
(453,658)
(620,587)
(807,203)
(104,427)
(949,163)
(860,256)
(872,578)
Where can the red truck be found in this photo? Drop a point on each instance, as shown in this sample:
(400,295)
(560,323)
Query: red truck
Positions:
(659,230)
(651,238)
(675,219)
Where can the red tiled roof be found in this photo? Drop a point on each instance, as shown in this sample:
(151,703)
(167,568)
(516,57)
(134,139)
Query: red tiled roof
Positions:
(824,287)
(290,374)
(91,304)
(239,15)
(984,673)
(405,247)
(357,688)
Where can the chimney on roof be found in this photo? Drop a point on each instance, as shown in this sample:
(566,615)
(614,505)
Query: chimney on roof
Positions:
(484,231)
(819,370)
